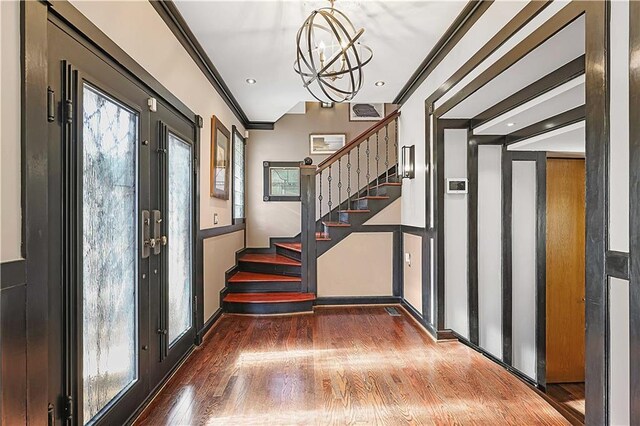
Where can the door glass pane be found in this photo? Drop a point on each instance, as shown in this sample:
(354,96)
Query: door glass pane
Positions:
(109,258)
(179,221)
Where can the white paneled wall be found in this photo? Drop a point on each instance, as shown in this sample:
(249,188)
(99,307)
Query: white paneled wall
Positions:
(455,231)
(524,266)
(490,248)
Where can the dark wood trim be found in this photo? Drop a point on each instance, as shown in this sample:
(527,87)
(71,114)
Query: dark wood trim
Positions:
(472,239)
(398,263)
(597,147)
(530,11)
(198,247)
(549,125)
(309,258)
(507,272)
(115,55)
(634,208)
(178,26)
(413,230)
(357,300)
(209,323)
(617,264)
(547,30)
(13,273)
(34,142)
(549,82)
(203,234)
(418,317)
(541,269)
(456,31)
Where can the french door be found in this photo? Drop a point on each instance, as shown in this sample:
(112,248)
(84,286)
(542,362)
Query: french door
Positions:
(121,197)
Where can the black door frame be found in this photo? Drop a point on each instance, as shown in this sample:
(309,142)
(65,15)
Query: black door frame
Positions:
(35,162)
(597,129)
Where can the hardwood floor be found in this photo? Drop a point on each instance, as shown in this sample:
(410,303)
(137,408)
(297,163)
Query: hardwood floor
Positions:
(340,365)
(570,396)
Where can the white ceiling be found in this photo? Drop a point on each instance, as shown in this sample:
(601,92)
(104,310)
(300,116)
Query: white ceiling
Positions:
(562,48)
(563,98)
(568,139)
(256,39)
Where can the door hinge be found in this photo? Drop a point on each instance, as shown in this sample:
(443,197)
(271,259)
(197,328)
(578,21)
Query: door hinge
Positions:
(51,415)
(68,408)
(51,104)
(68,110)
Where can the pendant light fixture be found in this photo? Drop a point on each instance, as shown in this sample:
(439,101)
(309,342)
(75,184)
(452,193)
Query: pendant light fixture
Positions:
(330,56)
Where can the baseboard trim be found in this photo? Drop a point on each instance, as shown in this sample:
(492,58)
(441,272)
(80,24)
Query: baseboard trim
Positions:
(358,300)
(208,324)
(418,318)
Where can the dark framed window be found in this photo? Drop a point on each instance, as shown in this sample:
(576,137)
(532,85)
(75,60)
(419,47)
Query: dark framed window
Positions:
(281,181)
(239,176)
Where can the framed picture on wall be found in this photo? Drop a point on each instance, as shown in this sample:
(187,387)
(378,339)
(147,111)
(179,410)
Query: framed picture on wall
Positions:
(366,112)
(220,160)
(326,144)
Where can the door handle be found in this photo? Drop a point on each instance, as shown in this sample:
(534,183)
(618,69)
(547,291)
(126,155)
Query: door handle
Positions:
(156,216)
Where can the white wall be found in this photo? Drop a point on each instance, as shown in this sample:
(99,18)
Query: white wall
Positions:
(490,248)
(138,29)
(359,265)
(619,365)
(455,235)
(10,210)
(523,255)
(412,272)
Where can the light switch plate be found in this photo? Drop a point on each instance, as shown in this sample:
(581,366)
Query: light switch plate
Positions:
(215,218)
(407,258)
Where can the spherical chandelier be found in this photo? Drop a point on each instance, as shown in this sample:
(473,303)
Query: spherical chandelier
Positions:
(330,56)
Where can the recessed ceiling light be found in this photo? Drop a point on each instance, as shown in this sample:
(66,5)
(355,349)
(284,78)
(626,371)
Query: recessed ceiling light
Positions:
(251,81)
(379,83)
(511,124)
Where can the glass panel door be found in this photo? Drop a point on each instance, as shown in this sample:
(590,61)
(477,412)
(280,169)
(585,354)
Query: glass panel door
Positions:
(179,259)
(109,326)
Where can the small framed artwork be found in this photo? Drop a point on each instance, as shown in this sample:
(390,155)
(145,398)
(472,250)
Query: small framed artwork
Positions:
(366,112)
(325,144)
(220,160)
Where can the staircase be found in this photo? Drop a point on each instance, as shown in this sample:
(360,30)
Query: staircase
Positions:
(271,280)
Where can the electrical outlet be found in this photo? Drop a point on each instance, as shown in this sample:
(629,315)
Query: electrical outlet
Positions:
(215,218)
(407,258)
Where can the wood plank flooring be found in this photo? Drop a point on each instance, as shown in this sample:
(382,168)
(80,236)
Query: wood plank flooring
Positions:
(570,396)
(341,365)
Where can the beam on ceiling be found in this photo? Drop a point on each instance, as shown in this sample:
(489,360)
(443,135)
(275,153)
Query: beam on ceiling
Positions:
(550,124)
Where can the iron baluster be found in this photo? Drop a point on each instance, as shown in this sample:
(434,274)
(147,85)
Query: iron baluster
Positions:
(386,152)
(368,171)
(320,196)
(358,172)
(377,159)
(349,180)
(329,179)
(395,145)
(339,186)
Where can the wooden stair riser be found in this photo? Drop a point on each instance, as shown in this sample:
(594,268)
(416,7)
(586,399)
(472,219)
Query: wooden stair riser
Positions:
(270,268)
(269,308)
(264,287)
(291,254)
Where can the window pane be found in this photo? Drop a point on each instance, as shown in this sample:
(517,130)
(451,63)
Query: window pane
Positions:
(109,264)
(238,177)
(179,221)
(284,181)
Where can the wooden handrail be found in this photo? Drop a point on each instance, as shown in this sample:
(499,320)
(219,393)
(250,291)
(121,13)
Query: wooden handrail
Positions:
(357,141)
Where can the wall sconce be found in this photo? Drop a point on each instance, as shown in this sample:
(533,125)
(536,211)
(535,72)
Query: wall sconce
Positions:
(408,164)
(326,104)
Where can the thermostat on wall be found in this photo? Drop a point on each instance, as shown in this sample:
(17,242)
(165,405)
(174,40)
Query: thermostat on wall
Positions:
(456,185)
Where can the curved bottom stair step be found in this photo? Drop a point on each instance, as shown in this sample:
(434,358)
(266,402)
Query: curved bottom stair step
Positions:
(268,303)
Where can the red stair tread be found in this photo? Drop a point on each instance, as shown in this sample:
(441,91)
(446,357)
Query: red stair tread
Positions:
(354,211)
(387,184)
(291,246)
(340,224)
(321,236)
(268,297)
(272,258)
(250,277)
